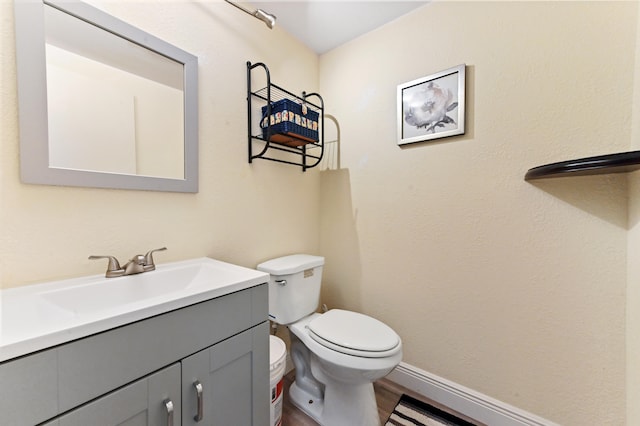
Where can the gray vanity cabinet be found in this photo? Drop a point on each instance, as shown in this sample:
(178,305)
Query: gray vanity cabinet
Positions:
(220,385)
(124,375)
(152,401)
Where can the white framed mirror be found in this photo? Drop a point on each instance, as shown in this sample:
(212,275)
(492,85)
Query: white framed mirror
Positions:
(102,103)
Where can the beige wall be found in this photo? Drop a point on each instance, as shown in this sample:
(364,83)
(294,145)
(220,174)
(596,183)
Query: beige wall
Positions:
(515,289)
(511,288)
(243,213)
(633,251)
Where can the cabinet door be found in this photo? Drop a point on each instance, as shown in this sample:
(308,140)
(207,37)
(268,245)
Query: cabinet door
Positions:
(152,401)
(228,383)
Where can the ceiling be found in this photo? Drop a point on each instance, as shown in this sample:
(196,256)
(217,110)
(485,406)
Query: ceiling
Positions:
(325,24)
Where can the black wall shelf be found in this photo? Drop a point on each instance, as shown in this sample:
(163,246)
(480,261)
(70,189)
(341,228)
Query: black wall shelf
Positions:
(602,164)
(307,152)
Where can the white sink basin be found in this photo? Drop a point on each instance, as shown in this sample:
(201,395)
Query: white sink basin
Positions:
(42,315)
(116,292)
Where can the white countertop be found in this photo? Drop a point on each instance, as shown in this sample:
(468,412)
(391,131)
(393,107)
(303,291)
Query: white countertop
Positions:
(40,316)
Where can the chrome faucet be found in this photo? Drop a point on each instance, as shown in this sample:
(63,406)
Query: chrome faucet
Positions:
(136,265)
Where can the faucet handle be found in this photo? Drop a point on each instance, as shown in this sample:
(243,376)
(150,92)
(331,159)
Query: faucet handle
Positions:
(113,269)
(148,259)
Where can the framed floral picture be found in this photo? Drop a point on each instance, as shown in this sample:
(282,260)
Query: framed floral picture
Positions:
(432,107)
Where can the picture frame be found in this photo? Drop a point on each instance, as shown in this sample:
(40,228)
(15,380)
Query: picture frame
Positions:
(432,107)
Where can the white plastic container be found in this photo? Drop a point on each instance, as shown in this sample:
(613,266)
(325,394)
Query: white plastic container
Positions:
(277,363)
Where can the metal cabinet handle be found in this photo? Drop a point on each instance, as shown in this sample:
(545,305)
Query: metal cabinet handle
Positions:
(199,391)
(168,405)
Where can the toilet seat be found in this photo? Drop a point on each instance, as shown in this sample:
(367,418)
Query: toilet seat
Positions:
(353,334)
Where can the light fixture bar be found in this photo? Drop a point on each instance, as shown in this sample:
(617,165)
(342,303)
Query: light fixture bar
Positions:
(260,14)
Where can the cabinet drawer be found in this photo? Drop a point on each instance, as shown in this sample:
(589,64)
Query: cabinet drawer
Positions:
(28,388)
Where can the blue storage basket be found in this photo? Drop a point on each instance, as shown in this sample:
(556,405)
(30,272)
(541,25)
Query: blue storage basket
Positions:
(290,120)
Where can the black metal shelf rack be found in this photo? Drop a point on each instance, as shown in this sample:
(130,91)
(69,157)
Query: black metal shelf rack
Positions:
(623,162)
(308,151)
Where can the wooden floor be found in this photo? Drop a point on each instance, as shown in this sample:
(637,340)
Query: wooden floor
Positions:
(387,396)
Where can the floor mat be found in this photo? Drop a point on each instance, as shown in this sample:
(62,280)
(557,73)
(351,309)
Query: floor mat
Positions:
(412,412)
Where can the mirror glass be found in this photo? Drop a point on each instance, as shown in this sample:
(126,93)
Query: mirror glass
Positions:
(114,107)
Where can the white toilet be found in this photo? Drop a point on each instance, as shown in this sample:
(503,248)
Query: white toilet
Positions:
(338,354)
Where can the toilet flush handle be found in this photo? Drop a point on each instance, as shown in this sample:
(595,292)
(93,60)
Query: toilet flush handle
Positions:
(281,282)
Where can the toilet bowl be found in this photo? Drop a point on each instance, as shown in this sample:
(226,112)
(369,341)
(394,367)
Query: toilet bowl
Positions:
(345,374)
(337,355)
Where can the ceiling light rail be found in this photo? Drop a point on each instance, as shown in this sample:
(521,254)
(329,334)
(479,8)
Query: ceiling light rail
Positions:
(260,14)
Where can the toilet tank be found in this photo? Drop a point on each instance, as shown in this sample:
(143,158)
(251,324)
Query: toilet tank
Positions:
(294,286)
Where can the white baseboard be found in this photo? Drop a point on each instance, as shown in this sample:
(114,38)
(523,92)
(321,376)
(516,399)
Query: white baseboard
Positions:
(463,400)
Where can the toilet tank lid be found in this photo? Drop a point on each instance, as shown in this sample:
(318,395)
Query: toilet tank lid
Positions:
(291,264)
